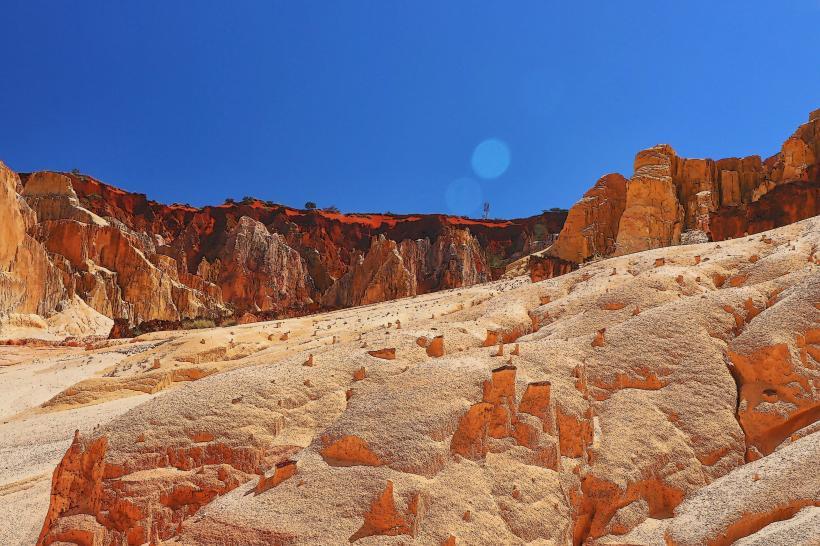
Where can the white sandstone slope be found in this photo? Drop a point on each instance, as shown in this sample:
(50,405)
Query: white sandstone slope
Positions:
(665,397)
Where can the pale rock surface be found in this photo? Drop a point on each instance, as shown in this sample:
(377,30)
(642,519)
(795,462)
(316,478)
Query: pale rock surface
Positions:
(615,421)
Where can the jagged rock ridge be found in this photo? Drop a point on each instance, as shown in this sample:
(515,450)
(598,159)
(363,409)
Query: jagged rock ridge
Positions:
(672,199)
(141,262)
(137,261)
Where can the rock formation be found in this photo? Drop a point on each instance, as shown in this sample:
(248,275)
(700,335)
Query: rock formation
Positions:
(29,282)
(670,199)
(155,266)
(258,271)
(592,224)
(652,216)
(390,271)
(379,276)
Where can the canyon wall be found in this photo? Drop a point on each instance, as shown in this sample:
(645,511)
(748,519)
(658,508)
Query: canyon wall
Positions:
(29,283)
(144,263)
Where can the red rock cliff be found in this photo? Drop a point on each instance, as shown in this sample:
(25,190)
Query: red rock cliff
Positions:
(140,261)
(672,200)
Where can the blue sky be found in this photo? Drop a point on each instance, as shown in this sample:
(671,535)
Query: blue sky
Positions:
(380,105)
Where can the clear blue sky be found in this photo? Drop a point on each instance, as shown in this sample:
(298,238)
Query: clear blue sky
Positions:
(380,105)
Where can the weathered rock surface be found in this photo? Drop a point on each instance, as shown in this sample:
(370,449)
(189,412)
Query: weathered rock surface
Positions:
(259,272)
(138,261)
(664,397)
(390,271)
(652,216)
(379,276)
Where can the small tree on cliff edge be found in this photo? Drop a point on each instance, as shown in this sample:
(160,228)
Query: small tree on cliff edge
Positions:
(310,205)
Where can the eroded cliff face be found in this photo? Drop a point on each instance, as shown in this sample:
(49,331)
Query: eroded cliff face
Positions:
(653,216)
(141,262)
(592,224)
(672,199)
(390,270)
(258,271)
(29,283)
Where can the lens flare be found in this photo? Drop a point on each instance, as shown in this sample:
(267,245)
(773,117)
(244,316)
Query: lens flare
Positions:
(463,197)
(491,158)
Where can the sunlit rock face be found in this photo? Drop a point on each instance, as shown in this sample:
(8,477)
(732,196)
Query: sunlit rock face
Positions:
(670,197)
(652,216)
(592,224)
(29,283)
(378,276)
(141,262)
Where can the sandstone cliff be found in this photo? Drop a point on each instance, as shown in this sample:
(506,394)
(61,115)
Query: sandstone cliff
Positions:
(390,271)
(259,272)
(29,283)
(592,224)
(143,263)
(671,199)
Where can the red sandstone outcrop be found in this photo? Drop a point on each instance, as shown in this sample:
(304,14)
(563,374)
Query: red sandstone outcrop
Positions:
(114,274)
(391,270)
(52,197)
(672,200)
(379,276)
(136,261)
(258,271)
(547,267)
(592,224)
(144,263)
(652,217)
(29,283)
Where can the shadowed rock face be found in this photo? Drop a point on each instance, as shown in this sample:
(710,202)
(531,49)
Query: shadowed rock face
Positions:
(259,272)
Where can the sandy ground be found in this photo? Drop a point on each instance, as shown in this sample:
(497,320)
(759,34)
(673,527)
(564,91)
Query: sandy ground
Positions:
(30,448)
(33,442)
(44,373)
